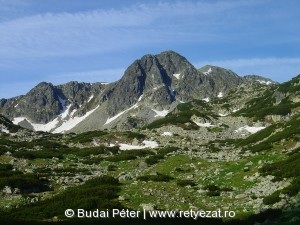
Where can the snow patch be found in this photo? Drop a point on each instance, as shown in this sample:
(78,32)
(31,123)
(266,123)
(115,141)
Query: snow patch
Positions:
(3,130)
(203,124)
(72,122)
(140,98)
(17,120)
(166,133)
(109,120)
(151,144)
(147,144)
(52,125)
(251,130)
(65,113)
(36,126)
(90,98)
(45,127)
(65,126)
(264,82)
(221,114)
(208,71)
(220,95)
(16,105)
(206,99)
(177,75)
(235,110)
(73,112)
(160,113)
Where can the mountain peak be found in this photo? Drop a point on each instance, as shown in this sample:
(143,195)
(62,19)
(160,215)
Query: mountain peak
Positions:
(170,53)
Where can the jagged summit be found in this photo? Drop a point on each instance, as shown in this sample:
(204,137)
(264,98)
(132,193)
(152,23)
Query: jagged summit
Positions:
(150,87)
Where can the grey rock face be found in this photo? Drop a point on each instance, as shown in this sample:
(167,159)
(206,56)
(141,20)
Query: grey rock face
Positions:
(40,104)
(46,101)
(218,80)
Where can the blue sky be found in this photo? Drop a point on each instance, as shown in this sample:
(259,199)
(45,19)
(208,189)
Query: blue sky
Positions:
(95,41)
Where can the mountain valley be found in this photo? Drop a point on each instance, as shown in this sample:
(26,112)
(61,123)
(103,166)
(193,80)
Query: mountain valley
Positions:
(166,136)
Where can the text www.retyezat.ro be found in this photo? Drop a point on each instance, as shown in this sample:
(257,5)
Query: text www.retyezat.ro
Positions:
(190,214)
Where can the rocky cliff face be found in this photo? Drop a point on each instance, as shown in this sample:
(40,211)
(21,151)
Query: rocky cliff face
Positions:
(45,101)
(149,89)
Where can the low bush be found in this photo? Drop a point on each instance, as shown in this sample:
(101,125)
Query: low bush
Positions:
(129,155)
(112,168)
(160,155)
(87,136)
(214,190)
(182,170)
(98,193)
(183,183)
(132,135)
(157,178)
(271,199)
(24,182)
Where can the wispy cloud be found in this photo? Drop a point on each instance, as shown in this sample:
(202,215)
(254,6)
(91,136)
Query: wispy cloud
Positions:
(12,9)
(40,42)
(101,31)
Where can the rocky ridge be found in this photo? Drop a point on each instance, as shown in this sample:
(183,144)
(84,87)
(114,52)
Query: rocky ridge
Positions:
(149,89)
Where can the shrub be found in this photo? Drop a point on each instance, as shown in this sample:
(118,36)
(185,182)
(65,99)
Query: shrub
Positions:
(98,193)
(112,168)
(214,190)
(132,135)
(181,170)
(24,182)
(5,167)
(157,178)
(215,129)
(87,136)
(129,155)
(160,155)
(271,199)
(183,183)
(289,167)
(154,159)
(94,160)
(293,189)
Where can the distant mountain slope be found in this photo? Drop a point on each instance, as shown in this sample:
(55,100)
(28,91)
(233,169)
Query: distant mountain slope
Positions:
(151,87)
(275,104)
